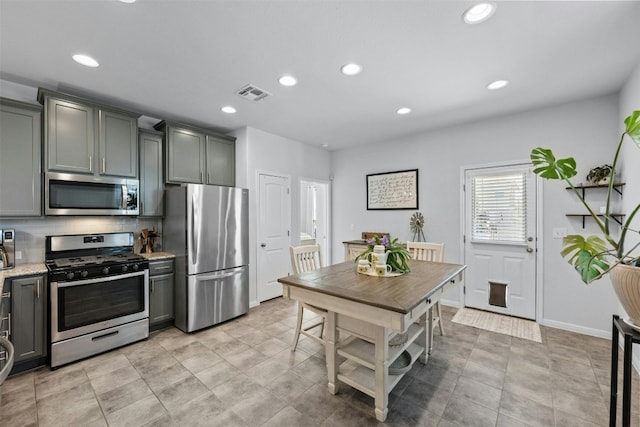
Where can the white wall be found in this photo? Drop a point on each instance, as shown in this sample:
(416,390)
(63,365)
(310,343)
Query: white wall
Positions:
(256,151)
(574,129)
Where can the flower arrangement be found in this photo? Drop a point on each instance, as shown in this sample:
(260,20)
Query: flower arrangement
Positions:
(397,255)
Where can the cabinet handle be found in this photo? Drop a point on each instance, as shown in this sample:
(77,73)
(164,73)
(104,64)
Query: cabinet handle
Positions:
(201,180)
(153,285)
(90,164)
(38,289)
(9,323)
(104,165)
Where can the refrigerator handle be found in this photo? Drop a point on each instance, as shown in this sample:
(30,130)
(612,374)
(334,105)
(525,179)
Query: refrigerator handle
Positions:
(194,233)
(218,275)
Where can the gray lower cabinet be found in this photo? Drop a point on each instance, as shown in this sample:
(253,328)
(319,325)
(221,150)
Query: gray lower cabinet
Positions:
(151,176)
(88,138)
(28,317)
(221,160)
(195,155)
(161,282)
(20,154)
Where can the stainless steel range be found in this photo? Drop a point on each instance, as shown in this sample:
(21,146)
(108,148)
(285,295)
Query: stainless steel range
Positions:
(99,294)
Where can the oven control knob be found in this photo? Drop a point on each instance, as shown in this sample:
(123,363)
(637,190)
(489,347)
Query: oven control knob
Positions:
(70,275)
(105,270)
(84,273)
(135,267)
(125,267)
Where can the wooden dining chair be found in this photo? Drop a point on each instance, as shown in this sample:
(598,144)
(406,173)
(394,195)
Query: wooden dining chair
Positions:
(307,258)
(425,251)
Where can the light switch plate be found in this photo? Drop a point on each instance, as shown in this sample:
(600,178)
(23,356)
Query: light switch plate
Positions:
(559,233)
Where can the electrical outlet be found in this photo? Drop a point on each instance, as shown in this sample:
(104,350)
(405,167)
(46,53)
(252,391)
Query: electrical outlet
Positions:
(559,233)
(18,255)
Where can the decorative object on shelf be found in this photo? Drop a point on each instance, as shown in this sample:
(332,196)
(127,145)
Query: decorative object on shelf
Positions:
(396,255)
(417,224)
(401,365)
(398,339)
(600,174)
(148,239)
(591,256)
(392,190)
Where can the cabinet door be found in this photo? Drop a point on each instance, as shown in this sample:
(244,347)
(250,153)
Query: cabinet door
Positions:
(28,296)
(185,156)
(70,137)
(151,186)
(160,298)
(221,161)
(20,180)
(118,145)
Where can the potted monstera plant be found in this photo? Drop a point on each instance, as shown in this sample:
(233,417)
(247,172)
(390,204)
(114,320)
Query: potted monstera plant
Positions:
(595,256)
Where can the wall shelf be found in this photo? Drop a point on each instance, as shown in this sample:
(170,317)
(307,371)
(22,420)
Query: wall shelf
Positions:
(617,187)
(617,217)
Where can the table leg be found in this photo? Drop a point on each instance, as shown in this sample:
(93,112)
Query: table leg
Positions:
(382,373)
(430,328)
(613,397)
(626,381)
(423,339)
(331,352)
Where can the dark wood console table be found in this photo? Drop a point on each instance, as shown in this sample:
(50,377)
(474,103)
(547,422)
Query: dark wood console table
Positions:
(630,336)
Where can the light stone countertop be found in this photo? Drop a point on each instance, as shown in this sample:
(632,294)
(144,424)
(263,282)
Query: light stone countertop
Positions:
(157,255)
(22,270)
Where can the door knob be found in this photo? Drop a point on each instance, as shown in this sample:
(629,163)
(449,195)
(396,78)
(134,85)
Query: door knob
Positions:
(263,245)
(529,250)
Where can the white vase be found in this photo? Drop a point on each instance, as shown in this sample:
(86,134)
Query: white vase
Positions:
(626,283)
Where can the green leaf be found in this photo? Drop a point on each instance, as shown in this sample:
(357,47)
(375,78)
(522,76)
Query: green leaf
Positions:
(633,126)
(586,255)
(590,268)
(548,167)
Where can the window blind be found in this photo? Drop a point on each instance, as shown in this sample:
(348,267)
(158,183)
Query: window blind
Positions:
(499,204)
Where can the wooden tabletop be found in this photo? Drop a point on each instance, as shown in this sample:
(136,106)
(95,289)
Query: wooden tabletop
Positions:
(400,294)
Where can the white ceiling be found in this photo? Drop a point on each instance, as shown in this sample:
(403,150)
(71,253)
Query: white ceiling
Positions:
(183,60)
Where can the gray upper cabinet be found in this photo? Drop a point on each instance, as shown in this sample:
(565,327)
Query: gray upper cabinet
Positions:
(118,147)
(151,177)
(221,160)
(20,154)
(83,137)
(195,155)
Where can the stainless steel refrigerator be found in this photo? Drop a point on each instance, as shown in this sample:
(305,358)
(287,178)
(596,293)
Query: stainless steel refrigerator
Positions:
(207,227)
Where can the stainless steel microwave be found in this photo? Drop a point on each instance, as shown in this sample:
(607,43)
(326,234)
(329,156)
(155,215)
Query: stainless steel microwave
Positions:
(70,194)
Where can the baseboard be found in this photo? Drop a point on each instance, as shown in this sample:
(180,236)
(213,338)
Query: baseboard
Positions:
(253,304)
(450,303)
(578,329)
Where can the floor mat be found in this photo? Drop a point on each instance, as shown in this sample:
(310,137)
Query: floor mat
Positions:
(508,325)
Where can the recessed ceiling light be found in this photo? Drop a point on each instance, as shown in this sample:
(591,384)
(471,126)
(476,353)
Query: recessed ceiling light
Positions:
(351,69)
(128,1)
(85,60)
(479,13)
(228,109)
(404,110)
(288,81)
(498,84)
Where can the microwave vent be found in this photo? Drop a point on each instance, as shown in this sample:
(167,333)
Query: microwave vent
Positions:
(252,93)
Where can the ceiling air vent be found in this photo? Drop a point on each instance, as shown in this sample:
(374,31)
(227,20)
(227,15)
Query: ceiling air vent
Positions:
(252,93)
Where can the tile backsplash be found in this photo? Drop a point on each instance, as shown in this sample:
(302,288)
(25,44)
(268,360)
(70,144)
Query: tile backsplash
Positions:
(31,232)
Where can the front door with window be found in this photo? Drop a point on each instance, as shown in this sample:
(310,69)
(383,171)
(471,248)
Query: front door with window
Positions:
(500,240)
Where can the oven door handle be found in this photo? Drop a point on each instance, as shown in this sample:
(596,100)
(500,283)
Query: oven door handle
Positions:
(98,279)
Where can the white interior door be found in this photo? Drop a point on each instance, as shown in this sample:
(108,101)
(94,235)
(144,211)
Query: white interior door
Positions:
(500,240)
(274,219)
(314,214)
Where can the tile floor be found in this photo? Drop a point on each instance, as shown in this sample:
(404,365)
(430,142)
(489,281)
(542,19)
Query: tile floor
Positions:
(242,373)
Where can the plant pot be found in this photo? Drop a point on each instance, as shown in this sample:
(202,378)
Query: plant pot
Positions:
(626,282)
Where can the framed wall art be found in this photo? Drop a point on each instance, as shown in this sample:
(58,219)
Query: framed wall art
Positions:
(392,190)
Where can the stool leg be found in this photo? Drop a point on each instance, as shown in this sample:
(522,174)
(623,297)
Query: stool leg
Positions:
(613,397)
(298,327)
